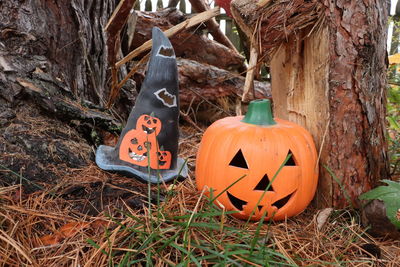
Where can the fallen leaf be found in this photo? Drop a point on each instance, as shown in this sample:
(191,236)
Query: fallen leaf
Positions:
(98,224)
(17,196)
(322,217)
(109,139)
(51,239)
(70,230)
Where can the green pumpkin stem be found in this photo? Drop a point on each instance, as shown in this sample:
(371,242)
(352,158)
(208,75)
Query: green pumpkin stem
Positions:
(259,113)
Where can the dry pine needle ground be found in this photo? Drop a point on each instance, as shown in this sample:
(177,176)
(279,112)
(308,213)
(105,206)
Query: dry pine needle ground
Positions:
(48,229)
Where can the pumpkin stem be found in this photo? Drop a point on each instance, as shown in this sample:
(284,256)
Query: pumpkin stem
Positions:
(259,113)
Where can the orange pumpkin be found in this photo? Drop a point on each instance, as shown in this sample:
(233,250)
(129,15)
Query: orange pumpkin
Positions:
(244,158)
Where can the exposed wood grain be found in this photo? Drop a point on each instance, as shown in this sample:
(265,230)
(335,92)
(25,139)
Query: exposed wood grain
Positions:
(299,71)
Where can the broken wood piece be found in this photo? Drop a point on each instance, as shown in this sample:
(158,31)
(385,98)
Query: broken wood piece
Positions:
(212,25)
(212,83)
(251,71)
(204,16)
(113,28)
(193,44)
(115,89)
(119,16)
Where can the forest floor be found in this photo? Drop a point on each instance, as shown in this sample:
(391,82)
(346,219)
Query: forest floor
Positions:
(57,208)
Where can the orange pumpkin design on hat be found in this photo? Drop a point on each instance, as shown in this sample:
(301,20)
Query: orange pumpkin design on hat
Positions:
(140,147)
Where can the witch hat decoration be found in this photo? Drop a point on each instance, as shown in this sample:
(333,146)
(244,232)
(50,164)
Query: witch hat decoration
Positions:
(148,146)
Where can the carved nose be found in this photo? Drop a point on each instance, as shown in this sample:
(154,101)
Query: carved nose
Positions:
(263,184)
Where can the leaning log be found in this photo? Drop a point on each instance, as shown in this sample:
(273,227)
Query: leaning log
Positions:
(327,61)
(201,82)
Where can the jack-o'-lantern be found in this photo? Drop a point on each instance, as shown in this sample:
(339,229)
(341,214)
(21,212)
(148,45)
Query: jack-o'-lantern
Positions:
(148,124)
(258,165)
(164,158)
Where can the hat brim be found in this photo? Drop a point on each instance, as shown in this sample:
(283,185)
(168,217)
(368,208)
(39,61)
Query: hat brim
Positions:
(105,162)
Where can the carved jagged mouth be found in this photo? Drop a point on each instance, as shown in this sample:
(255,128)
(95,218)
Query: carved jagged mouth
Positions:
(236,202)
(136,157)
(148,130)
(239,203)
(283,201)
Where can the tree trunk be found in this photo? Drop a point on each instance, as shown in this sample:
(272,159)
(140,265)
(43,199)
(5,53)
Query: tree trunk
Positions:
(328,68)
(64,41)
(53,55)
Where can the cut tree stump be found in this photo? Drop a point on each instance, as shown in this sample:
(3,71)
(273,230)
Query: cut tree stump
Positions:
(328,68)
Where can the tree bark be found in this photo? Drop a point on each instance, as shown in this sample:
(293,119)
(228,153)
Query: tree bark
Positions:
(330,77)
(53,81)
(64,41)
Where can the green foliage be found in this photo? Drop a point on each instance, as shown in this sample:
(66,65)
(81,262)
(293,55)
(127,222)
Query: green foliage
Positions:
(390,195)
(220,244)
(393,117)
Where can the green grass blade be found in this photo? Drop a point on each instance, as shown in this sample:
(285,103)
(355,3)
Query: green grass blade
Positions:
(336,179)
(94,244)
(226,189)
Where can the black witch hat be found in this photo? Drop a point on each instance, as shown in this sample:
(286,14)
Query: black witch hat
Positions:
(148,146)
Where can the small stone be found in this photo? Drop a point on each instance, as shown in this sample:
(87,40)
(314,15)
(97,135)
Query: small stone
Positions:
(372,249)
(374,217)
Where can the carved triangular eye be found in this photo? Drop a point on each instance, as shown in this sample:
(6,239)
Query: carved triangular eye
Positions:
(291,161)
(239,161)
(263,184)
